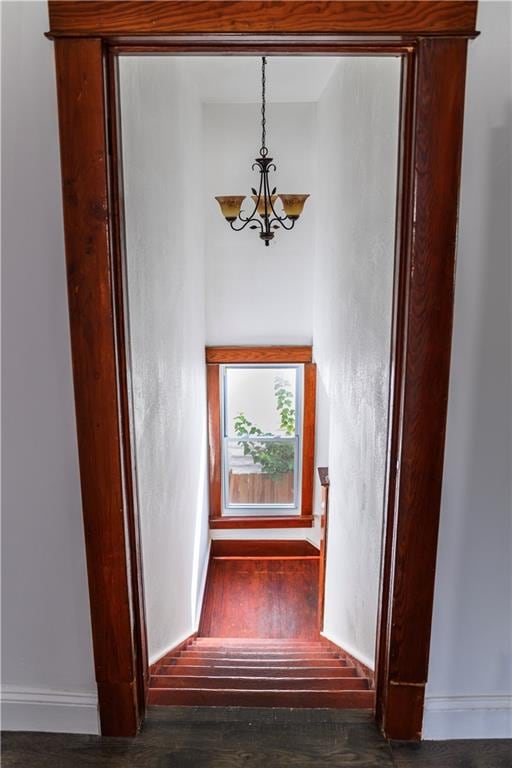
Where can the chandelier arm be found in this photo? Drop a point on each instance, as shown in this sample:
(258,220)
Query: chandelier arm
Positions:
(245,223)
(281,221)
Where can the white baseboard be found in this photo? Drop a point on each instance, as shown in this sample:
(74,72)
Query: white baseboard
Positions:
(46,710)
(467,717)
(366,660)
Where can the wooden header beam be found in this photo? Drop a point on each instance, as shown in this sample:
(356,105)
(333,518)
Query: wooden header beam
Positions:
(102,18)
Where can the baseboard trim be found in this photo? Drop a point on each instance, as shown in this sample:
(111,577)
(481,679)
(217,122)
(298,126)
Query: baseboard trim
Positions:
(366,662)
(177,645)
(25,709)
(467,717)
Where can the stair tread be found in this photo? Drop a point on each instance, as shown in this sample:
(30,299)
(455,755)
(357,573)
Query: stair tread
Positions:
(222,670)
(240,682)
(362,699)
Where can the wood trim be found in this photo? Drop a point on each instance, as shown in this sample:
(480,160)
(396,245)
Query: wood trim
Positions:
(428,224)
(295,521)
(214,440)
(323,474)
(125,381)
(308,439)
(432,114)
(100,17)
(271,354)
(263,548)
(275,354)
(173,652)
(84,152)
(362,669)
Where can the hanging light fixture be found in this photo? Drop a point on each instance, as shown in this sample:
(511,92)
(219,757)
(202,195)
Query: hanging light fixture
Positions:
(264,216)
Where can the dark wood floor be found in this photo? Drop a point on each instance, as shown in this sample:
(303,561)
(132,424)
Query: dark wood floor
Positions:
(189,737)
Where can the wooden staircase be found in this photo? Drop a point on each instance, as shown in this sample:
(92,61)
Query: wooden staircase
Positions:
(253,672)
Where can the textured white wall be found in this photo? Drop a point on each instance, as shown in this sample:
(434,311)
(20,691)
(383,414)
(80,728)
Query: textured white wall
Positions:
(46,654)
(161,119)
(353,295)
(469,694)
(255,294)
(46,632)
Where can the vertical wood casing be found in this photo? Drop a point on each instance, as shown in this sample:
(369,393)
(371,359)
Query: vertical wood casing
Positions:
(432,37)
(83,139)
(127,422)
(214,439)
(323,473)
(215,356)
(428,253)
(308,438)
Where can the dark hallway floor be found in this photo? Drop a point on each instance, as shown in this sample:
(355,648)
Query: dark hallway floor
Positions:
(189,737)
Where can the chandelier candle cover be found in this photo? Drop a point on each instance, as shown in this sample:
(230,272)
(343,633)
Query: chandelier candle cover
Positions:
(264,216)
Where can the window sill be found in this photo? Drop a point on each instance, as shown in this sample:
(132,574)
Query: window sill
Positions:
(275,521)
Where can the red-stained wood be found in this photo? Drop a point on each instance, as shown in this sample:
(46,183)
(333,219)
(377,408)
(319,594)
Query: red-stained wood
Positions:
(238,682)
(275,521)
(362,669)
(252,597)
(429,218)
(174,652)
(125,383)
(271,354)
(323,474)
(263,547)
(431,119)
(101,17)
(308,439)
(231,670)
(214,440)
(261,698)
(81,88)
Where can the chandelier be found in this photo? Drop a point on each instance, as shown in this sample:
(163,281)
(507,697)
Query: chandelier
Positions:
(264,216)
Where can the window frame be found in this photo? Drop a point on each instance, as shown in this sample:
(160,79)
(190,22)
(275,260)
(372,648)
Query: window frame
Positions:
(301,515)
(231,509)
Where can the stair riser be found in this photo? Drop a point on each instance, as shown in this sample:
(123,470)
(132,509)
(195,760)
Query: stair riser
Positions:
(260,654)
(226,642)
(259,683)
(234,671)
(234,698)
(257,662)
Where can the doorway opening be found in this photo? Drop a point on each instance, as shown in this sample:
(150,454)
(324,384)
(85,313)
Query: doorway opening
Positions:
(246,603)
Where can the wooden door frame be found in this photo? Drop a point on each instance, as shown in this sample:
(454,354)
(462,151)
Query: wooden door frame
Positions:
(432,39)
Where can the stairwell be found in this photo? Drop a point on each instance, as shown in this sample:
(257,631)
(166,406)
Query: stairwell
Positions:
(258,673)
(258,643)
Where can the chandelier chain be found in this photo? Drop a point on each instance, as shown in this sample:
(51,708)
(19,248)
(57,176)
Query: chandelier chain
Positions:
(264,150)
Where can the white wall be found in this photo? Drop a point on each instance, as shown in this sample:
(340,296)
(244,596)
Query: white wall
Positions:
(352,323)
(47,660)
(47,666)
(469,694)
(255,294)
(161,120)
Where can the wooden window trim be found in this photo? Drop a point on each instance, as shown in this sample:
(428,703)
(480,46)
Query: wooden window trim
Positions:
(432,39)
(217,356)
(270,354)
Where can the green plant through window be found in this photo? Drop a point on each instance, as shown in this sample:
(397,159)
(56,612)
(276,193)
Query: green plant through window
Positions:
(275,458)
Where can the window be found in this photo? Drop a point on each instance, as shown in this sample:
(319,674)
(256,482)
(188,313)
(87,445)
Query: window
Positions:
(261,428)
(261,438)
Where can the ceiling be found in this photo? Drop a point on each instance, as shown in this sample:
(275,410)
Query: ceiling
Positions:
(237,79)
